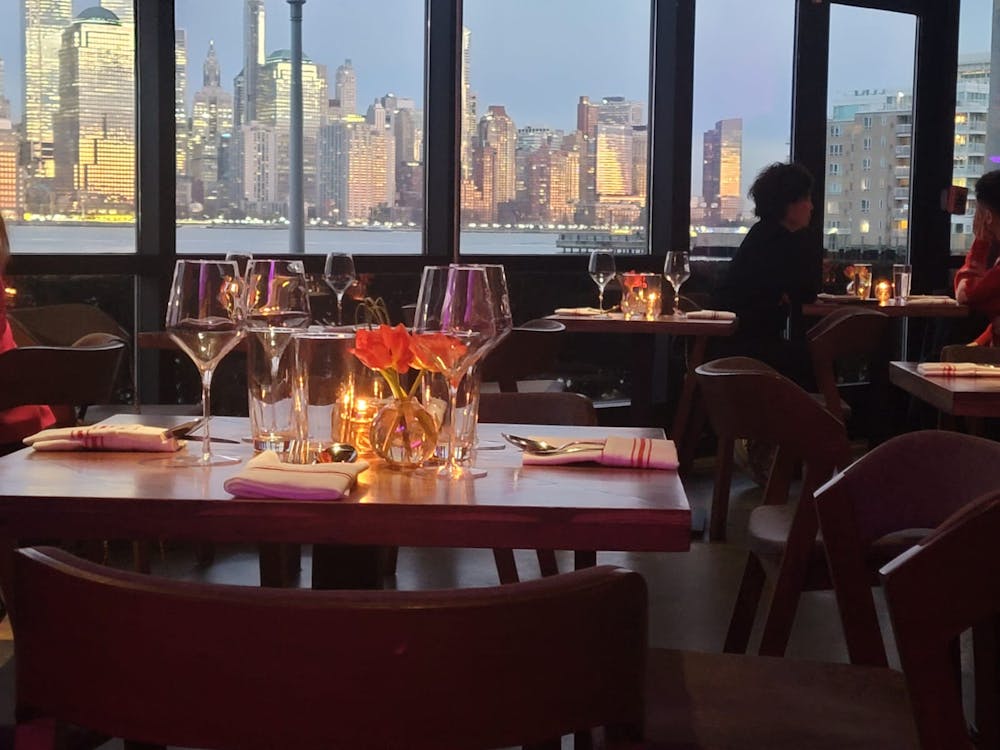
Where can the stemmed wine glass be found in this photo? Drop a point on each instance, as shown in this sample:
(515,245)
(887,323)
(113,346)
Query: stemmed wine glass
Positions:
(676,270)
(243,261)
(602,270)
(205,320)
(339,274)
(454,323)
(277,305)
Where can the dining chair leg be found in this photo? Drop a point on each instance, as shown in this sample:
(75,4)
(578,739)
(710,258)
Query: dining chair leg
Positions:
(720,494)
(204,554)
(506,567)
(279,564)
(745,609)
(390,559)
(547,563)
(584,558)
(140,556)
(986,657)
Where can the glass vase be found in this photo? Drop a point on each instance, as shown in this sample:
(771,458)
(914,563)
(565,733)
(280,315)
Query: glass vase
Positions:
(404,433)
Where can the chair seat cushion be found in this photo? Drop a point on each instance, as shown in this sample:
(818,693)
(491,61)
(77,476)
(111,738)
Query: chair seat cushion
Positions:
(699,700)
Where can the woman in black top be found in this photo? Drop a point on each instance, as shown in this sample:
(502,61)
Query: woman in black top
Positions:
(777,268)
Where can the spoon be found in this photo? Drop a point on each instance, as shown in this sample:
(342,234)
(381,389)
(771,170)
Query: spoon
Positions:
(300,452)
(531,445)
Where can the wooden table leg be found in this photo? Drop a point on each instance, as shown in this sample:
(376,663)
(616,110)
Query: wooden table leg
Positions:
(680,433)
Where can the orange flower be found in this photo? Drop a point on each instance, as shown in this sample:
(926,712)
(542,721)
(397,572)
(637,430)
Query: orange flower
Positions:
(384,348)
(633,280)
(849,272)
(437,352)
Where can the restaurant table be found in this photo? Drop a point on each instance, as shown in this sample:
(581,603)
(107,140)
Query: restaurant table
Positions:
(821,308)
(642,332)
(104,495)
(958,396)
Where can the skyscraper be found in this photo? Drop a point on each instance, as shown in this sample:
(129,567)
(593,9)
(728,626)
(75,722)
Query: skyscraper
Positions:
(497,130)
(44,21)
(722,169)
(346,88)
(354,168)
(124,9)
(253,59)
(4,101)
(211,122)
(468,123)
(614,160)
(180,99)
(95,126)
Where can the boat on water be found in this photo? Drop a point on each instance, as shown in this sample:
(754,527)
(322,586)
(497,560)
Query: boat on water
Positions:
(617,241)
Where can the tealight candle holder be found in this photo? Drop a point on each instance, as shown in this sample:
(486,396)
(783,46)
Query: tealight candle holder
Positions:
(883,292)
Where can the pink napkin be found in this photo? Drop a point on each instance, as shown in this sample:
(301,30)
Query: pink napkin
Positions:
(958,370)
(636,453)
(711,315)
(105,437)
(266,475)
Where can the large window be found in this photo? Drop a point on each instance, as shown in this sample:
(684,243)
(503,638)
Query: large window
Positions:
(742,111)
(362,124)
(554,125)
(67,125)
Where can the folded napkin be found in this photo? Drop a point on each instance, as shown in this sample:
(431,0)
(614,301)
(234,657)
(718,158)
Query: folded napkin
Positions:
(637,453)
(580,311)
(825,297)
(930,299)
(958,370)
(105,437)
(711,315)
(266,476)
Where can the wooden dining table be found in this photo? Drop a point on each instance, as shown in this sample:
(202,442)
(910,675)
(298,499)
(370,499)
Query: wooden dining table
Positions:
(957,396)
(642,333)
(105,495)
(909,309)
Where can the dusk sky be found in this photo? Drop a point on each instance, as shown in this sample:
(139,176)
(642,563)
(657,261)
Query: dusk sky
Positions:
(537,57)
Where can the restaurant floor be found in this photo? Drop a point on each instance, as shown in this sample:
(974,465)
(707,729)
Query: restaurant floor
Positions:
(691,593)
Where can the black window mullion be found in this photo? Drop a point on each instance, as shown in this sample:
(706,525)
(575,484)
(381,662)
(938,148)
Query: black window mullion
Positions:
(810,75)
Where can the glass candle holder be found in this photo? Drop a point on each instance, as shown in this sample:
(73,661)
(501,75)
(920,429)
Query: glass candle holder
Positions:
(883,292)
(642,296)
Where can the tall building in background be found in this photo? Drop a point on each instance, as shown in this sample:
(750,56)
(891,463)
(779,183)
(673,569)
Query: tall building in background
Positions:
(43,22)
(993,90)
(4,101)
(211,127)
(10,173)
(94,130)
(974,120)
(468,115)
(355,156)
(124,9)
(260,168)
(497,131)
(722,171)
(614,161)
(253,59)
(346,88)
(180,100)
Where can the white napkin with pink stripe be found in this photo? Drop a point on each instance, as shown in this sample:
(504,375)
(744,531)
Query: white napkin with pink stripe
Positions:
(105,437)
(635,453)
(958,370)
(710,315)
(580,311)
(265,475)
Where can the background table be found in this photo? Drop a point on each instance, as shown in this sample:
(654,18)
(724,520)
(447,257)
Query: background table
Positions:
(820,308)
(960,397)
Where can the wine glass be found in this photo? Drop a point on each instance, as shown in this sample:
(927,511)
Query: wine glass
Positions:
(339,273)
(677,270)
(453,326)
(205,319)
(277,306)
(242,261)
(602,270)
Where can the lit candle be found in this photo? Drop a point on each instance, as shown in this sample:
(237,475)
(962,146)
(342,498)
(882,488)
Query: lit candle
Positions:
(883,292)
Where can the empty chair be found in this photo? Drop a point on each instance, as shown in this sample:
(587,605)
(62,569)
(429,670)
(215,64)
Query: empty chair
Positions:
(530,350)
(564,408)
(848,333)
(63,324)
(745,398)
(981,355)
(166,662)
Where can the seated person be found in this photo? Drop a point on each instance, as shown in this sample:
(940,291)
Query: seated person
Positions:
(977,283)
(21,421)
(777,268)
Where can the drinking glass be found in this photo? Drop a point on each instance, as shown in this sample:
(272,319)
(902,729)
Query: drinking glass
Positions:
(901,275)
(242,261)
(862,280)
(339,274)
(602,270)
(677,270)
(205,320)
(455,320)
(277,301)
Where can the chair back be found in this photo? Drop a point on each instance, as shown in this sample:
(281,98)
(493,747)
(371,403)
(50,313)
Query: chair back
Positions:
(935,592)
(530,349)
(537,408)
(61,325)
(912,482)
(206,665)
(981,355)
(74,376)
(846,333)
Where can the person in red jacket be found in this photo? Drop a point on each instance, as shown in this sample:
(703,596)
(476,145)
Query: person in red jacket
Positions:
(977,283)
(21,421)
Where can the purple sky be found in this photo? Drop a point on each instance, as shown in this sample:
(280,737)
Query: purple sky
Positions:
(537,58)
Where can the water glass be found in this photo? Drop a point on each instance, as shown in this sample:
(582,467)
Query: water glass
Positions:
(270,386)
(862,280)
(326,389)
(901,274)
(458,425)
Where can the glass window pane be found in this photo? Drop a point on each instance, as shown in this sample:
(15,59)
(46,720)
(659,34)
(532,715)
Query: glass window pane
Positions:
(742,112)
(977,128)
(362,126)
(869,133)
(554,137)
(67,125)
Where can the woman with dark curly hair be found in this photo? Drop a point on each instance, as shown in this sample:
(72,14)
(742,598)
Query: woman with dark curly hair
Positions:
(777,268)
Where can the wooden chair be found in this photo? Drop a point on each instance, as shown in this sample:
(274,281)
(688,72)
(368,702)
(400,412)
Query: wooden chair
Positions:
(938,590)
(847,333)
(745,398)
(530,349)
(63,324)
(205,665)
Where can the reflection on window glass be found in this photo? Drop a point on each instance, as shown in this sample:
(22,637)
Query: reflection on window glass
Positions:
(554,133)
(67,125)
(977,128)
(869,134)
(742,111)
(362,124)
